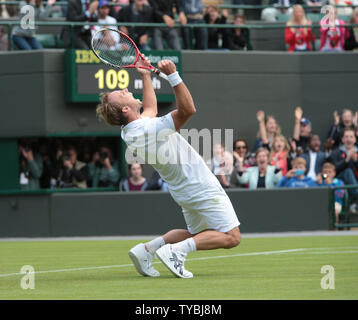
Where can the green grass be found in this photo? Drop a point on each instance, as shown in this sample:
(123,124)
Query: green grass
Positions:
(291,275)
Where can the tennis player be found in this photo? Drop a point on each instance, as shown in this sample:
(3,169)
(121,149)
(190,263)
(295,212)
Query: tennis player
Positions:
(210,217)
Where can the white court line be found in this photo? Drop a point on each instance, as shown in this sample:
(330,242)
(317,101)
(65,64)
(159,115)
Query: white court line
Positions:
(298,251)
(329,252)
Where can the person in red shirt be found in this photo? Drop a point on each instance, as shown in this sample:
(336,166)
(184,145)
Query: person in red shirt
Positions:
(280,154)
(299,39)
(333,34)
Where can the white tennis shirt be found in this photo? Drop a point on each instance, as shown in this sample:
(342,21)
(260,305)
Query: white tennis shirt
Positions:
(155,141)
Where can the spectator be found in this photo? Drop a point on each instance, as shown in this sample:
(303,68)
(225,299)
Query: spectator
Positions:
(111,38)
(103,16)
(80,11)
(30,166)
(45,152)
(193,10)
(121,4)
(344,6)
(271,14)
(212,16)
(268,129)
(280,154)
(237,39)
(333,38)
(299,39)
(345,159)
(314,157)
(103,169)
(261,176)
(352,33)
(295,178)
(24,39)
(241,155)
(314,5)
(70,172)
(3,10)
(137,12)
(222,164)
(346,120)
(163,12)
(301,132)
(135,182)
(157,183)
(4,40)
(328,179)
(8,10)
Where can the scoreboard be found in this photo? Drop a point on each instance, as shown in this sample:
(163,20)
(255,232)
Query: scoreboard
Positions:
(86,76)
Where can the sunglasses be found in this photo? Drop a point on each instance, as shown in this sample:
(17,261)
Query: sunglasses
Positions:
(239,148)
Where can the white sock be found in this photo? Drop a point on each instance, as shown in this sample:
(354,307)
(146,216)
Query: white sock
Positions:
(154,245)
(185,246)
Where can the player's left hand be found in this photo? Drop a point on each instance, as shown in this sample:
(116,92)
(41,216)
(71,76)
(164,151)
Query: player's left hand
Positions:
(143,63)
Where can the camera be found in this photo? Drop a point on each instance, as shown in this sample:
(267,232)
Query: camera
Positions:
(66,156)
(103,155)
(26,146)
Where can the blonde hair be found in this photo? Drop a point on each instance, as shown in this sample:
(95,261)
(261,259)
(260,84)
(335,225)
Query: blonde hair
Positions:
(261,149)
(278,128)
(110,112)
(282,137)
(292,21)
(287,146)
(214,6)
(298,161)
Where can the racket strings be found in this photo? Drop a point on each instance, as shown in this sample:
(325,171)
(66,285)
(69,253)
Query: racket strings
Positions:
(114,48)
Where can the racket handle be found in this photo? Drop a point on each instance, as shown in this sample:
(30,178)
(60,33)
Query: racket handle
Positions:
(160,74)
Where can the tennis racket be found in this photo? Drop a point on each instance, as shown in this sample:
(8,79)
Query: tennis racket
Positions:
(115,48)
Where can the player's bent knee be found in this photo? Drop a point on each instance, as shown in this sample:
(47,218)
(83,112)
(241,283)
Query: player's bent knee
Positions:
(234,238)
(235,241)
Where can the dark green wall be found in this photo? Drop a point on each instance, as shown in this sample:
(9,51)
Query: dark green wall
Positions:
(9,164)
(149,213)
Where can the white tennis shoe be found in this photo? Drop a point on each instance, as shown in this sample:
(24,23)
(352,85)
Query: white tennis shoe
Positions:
(143,261)
(174,261)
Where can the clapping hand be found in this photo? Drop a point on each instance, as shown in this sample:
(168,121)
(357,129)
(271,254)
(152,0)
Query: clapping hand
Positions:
(355,119)
(290,173)
(319,178)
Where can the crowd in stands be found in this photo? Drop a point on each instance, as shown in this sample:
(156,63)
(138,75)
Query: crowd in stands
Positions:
(274,161)
(78,163)
(186,12)
(298,162)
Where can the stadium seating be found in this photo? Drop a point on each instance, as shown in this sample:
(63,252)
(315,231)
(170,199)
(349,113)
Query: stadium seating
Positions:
(47,40)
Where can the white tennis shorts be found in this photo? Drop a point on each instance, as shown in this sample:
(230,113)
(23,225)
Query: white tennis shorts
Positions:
(216,213)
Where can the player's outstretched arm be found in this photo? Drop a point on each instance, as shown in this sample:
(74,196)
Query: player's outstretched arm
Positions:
(150,108)
(185,104)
